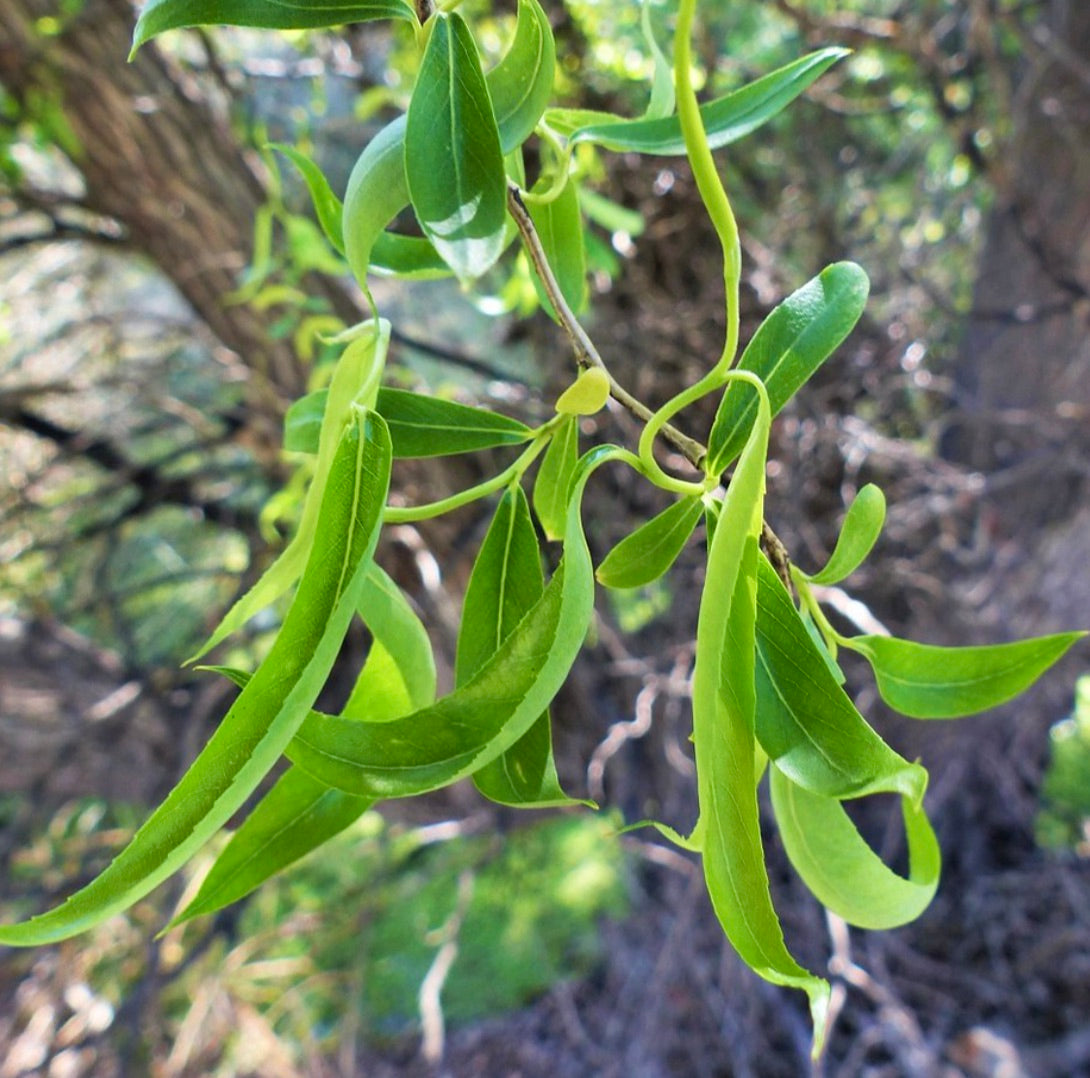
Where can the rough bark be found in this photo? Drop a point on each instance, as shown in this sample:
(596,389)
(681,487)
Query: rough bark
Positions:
(1024,368)
(156,158)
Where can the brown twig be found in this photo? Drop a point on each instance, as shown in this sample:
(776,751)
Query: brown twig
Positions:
(587,355)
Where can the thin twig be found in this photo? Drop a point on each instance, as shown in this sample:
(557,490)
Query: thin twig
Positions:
(587,355)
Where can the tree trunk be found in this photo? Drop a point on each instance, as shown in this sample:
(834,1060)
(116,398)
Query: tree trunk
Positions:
(1024,369)
(155,157)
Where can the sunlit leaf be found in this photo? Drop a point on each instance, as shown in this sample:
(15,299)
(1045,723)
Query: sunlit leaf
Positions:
(522,82)
(472,726)
(266,715)
(726,119)
(453,160)
(724,702)
(327,205)
(554,476)
(926,681)
(791,343)
(354,382)
(299,813)
(858,534)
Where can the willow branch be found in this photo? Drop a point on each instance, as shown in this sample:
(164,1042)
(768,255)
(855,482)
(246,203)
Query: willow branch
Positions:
(587,355)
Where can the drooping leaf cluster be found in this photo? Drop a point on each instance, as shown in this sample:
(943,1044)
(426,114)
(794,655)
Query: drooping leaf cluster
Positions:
(768,693)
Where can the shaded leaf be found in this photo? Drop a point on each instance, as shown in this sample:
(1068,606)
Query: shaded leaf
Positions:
(559,226)
(805,721)
(842,871)
(506,582)
(652,548)
(424,426)
(158,16)
(522,82)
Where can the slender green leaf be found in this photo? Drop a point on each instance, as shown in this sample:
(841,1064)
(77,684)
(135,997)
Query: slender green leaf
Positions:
(377,192)
(158,16)
(805,721)
(661,102)
(453,160)
(303,422)
(505,583)
(610,215)
(522,82)
(724,702)
(652,548)
(462,732)
(399,632)
(791,343)
(263,719)
(842,871)
(554,477)
(858,534)
(925,681)
(559,226)
(378,188)
(726,119)
(354,382)
(327,205)
(299,813)
(423,426)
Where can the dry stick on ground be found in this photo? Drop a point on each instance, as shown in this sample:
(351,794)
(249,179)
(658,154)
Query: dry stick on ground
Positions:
(587,356)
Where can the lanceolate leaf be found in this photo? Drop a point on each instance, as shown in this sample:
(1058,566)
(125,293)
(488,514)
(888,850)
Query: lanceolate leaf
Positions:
(423,426)
(159,16)
(925,681)
(522,82)
(505,583)
(263,719)
(303,422)
(805,722)
(377,192)
(554,476)
(559,226)
(792,343)
(354,382)
(652,548)
(661,102)
(326,204)
(726,119)
(399,634)
(842,871)
(858,534)
(299,813)
(453,160)
(464,731)
(724,699)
